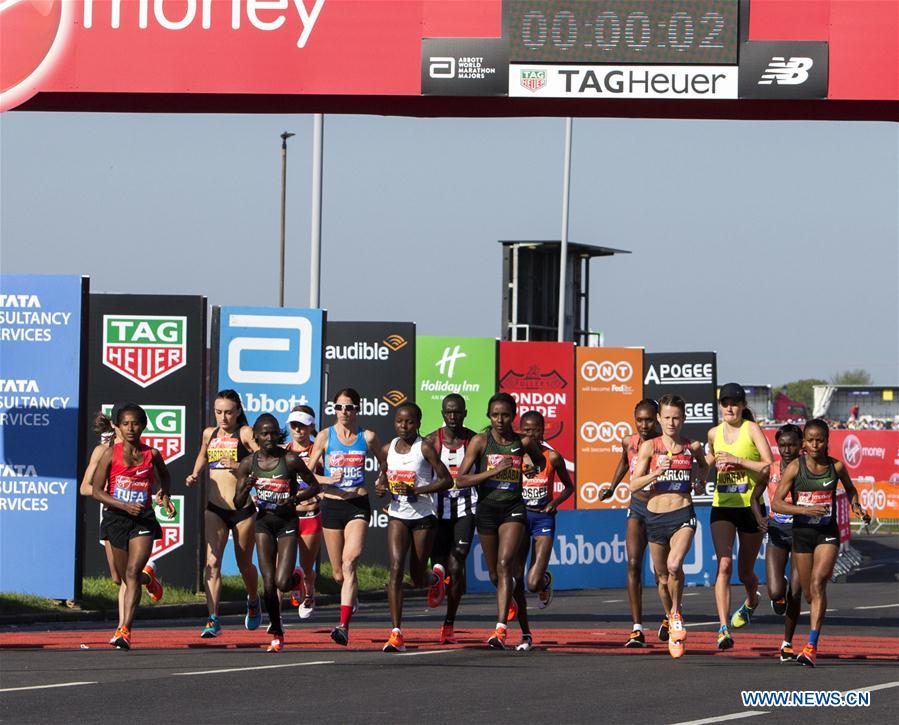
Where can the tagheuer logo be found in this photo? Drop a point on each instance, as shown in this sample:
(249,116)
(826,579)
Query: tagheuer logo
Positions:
(533,79)
(144,348)
(164,431)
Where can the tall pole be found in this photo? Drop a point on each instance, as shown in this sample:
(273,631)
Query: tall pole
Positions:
(563,249)
(315,258)
(284,136)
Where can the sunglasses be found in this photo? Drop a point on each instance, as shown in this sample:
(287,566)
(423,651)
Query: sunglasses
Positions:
(348,407)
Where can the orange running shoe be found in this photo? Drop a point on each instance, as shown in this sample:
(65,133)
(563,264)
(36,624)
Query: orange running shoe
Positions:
(447,636)
(154,586)
(122,638)
(807,658)
(277,643)
(298,593)
(676,629)
(437,592)
(498,640)
(395,643)
(513,610)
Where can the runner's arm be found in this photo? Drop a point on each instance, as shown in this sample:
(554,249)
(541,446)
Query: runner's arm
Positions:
(558,463)
(851,491)
(382,487)
(299,469)
(165,483)
(443,480)
(200,461)
(780,505)
(101,480)
(87,482)
(244,482)
(618,476)
(641,478)
(473,451)
(380,453)
(761,444)
(246,437)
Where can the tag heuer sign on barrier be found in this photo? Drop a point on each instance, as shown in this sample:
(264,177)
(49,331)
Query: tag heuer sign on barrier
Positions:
(533,79)
(172,529)
(164,431)
(144,348)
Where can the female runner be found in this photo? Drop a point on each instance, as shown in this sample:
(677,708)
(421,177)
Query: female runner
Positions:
(273,472)
(222,447)
(647,425)
(812,481)
(346,511)
(123,483)
(742,457)
(785,596)
(302,430)
(499,452)
(667,463)
(414,474)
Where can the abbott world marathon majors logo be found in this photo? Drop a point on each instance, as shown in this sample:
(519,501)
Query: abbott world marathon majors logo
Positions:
(144,348)
(32,35)
(164,431)
(366,350)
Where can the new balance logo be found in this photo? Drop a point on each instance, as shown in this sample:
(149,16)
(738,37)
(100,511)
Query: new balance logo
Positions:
(792,71)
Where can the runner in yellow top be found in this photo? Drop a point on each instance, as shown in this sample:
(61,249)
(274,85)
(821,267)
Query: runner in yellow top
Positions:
(742,458)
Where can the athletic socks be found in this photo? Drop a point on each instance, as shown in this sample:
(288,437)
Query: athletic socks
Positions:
(500,625)
(813,637)
(346,612)
(786,644)
(638,627)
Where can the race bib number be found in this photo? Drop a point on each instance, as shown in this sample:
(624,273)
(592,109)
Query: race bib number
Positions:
(505,480)
(131,490)
(400,484)
(272,493)
(732,482)
(535,494)
(816,498)
(678,478)
(221,450)
(351,464)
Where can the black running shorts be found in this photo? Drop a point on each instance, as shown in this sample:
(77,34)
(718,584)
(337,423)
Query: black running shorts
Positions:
(491,515)
(661,527)
(807,538)
(337,513)
(119,528)
(454,535)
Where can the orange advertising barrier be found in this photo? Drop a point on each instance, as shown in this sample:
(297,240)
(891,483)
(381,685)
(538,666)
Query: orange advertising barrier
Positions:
(609,385)
(879,498)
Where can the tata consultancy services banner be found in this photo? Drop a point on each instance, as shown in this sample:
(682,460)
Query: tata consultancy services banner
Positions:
(40,373)
(272,356)
(539,376)
(463,365)
(609,385)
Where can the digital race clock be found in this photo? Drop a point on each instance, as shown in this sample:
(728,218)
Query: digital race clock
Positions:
(666,32)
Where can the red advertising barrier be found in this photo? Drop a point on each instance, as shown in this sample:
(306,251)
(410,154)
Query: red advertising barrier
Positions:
(843,516)
(609,385)
(539,376)
(872,454)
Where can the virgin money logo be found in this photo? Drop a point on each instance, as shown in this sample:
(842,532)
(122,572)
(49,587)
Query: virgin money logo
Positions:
(852,451)
(30,36)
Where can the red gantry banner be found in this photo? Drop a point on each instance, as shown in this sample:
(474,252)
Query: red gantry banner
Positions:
(871,455)
(539,376)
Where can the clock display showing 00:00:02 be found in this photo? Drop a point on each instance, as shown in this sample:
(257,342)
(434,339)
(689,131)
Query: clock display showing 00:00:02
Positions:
(622,31)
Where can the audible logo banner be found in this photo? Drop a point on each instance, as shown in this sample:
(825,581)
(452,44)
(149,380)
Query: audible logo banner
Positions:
(609,384)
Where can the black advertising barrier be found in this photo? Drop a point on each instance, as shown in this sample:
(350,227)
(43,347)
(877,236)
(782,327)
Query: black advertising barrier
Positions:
(151,350)
(378,360)
(691,375)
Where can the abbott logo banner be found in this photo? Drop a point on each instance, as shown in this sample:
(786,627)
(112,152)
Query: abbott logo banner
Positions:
(271,356)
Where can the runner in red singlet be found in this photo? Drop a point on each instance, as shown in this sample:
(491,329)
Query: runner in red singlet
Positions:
(647,426)
(123,483)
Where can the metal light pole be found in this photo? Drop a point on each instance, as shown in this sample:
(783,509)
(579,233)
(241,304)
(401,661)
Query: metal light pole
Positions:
(315,259)
(563,248)
(284,136)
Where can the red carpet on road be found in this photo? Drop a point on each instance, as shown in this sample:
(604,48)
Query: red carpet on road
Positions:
(601,641)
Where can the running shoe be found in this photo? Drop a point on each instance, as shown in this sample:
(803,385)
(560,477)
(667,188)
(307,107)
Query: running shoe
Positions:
(396,643)
(498,640)
(306,608)
(635,640)
(437,592)
(213,627)
(779,606)
(663,630)
(512,611)
(154,586)
(725,641)
(447,636)
(787,654)
(277,643)
(676,636)
(546,596)
(299,591)
(340,635)
(355,605)
(254,615)
(743,615)
(122,639)
(807,658)
(527,643)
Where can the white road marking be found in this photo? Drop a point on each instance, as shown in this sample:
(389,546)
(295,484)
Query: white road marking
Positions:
(611,601)
(250,669)
(427,652)
(878,606)
(46,687)
(700,624)
(691,594)
(874,688)
(722,718)
(826,610)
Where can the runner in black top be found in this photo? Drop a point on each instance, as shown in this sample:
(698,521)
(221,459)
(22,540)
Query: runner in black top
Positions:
(812,481)
(499,453)
(273,471)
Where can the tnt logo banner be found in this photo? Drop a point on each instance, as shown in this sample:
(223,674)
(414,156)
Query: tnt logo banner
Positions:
(164,431)
(144,348)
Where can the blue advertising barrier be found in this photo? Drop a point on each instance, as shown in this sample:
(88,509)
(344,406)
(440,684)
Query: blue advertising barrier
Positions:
(272,356)
(40,373)
(589,552)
